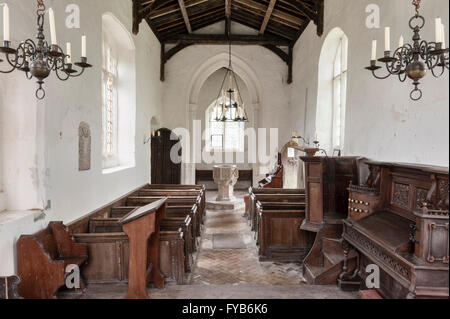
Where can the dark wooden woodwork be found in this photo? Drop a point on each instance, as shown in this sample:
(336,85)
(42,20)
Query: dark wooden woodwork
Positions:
(109,247)
(403,228)
(279,23)
(275,178)
(280,237)
(164,171)
(9,287)
(326,183)
(292,196)
(42,259)
(139,225)
(327,180)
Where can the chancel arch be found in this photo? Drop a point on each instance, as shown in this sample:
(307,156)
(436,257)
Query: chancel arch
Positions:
(249,80)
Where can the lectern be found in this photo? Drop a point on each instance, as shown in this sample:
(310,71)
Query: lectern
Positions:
(139,225)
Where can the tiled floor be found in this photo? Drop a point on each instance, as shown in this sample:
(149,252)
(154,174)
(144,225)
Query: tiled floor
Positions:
(234,272)
(237,266)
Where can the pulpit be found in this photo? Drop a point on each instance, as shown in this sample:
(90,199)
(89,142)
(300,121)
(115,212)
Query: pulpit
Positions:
(139,225)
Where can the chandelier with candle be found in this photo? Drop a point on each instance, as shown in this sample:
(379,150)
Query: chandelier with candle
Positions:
(38,59)
(413,60)
(229,105)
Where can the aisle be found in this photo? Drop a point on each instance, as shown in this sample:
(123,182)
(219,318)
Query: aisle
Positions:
(229,254)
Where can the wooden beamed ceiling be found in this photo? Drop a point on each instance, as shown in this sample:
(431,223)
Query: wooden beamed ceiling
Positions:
(279,23)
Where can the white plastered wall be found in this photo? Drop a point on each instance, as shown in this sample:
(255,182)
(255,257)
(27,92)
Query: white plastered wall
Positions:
(39,141)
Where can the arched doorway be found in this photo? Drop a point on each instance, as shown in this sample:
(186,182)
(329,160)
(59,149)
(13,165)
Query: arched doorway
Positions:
(164,170)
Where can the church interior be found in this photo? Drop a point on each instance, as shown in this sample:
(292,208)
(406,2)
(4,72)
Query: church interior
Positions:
(224,149)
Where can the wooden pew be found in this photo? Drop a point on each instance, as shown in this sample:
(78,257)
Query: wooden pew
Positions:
(180,224)
(280,237)
(280,195)
(192,201)
(253,192)
(188,190)
(110,250)
(399,220)
(42,259)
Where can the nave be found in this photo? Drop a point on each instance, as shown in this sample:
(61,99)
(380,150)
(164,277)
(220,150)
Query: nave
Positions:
(227,267)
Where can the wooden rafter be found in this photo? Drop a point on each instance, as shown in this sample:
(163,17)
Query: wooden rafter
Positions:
(219,39)
(320,8)
(137,19)
(185,15)
(267,16)
(301,7)
(227,17)
(279,23)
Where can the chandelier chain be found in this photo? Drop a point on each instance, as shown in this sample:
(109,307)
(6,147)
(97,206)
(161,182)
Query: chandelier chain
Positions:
(40,7)
(416,3)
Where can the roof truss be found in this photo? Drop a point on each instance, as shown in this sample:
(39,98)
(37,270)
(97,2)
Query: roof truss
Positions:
(279,23)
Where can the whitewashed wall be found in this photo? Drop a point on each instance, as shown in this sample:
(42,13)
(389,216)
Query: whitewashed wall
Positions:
(382,123)
(40,140)
(267,69)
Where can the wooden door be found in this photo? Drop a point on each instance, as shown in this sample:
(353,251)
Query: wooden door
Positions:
(164,171)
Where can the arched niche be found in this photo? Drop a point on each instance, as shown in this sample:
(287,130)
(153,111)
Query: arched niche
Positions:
(209,67)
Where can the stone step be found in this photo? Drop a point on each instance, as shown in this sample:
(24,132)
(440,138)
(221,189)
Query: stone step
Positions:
(119,291)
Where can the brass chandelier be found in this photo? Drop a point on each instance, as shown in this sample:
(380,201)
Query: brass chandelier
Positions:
(39,59)
(229,106)
(413,60)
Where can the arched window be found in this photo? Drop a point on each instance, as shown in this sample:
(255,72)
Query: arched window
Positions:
(118,95)
(339,93)
(223,136)
(332,94)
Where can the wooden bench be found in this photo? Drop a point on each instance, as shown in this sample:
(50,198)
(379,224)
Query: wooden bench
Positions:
(42,259)
(253,192)
(279,234)
(192,201)
(199,188)
(109,248)
(280,196)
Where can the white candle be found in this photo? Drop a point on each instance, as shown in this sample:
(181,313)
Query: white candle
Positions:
(69,53)
(387,39)
(401,42)
(51,16)
(443,37)
(83,47)
(316,137)
(438,30)
(374,50)
(6,32)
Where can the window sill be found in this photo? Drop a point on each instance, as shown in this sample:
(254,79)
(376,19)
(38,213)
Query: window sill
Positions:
(116,169)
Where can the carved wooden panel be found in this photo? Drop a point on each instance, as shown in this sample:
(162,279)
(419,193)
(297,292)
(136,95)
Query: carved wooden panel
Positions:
(84,147)
(421,197)
(400,195)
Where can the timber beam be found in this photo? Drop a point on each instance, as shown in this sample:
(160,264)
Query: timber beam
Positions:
(285,57)
(219,39)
